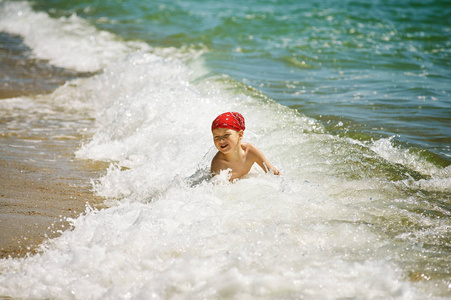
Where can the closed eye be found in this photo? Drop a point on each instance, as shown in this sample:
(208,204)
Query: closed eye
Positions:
(222,137)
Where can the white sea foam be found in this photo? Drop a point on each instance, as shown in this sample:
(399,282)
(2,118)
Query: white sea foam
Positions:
(316,231)
(66,42)
(385,148)
(169,236)
(211,241)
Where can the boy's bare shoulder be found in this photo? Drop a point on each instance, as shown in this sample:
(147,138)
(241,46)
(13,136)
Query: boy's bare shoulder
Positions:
(248,146)
(251,149)
(217,163)
(215,159)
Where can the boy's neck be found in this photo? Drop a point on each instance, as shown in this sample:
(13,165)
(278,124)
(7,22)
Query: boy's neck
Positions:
(237,154)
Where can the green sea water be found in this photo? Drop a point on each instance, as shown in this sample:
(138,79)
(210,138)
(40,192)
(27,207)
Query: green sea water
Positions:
(365,69)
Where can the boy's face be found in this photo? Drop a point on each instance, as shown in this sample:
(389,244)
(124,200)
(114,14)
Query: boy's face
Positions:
(226,139)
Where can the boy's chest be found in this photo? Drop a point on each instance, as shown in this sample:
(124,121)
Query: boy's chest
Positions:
(240,169)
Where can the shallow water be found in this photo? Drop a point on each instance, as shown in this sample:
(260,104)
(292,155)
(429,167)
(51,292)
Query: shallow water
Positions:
(365,70)
(356,213)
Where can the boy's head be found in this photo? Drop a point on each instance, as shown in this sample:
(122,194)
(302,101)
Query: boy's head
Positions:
(230,120)
(227,131)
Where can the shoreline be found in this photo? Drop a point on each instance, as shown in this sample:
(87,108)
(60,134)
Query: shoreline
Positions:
(41,181)
(35,202)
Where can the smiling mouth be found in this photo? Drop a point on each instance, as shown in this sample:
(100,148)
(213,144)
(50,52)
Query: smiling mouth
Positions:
(222,147)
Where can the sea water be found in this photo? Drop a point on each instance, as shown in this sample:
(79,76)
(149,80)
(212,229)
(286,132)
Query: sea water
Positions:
(361,209)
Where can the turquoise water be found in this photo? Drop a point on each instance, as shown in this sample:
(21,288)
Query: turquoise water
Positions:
(349,100)
(366,70)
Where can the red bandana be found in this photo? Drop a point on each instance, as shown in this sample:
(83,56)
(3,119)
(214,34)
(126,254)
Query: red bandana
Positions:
(231,120)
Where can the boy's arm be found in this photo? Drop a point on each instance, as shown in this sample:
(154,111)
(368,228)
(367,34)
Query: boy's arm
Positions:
(262,161)
(216,165)
(214,168)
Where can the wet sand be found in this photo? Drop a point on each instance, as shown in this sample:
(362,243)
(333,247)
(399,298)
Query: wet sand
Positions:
(41,181)
(41,184)
(34,203)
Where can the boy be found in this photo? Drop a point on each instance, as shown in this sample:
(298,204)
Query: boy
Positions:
(232,154)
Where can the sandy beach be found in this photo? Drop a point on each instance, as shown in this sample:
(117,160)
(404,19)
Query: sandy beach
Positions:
(35,202)
(41,181)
